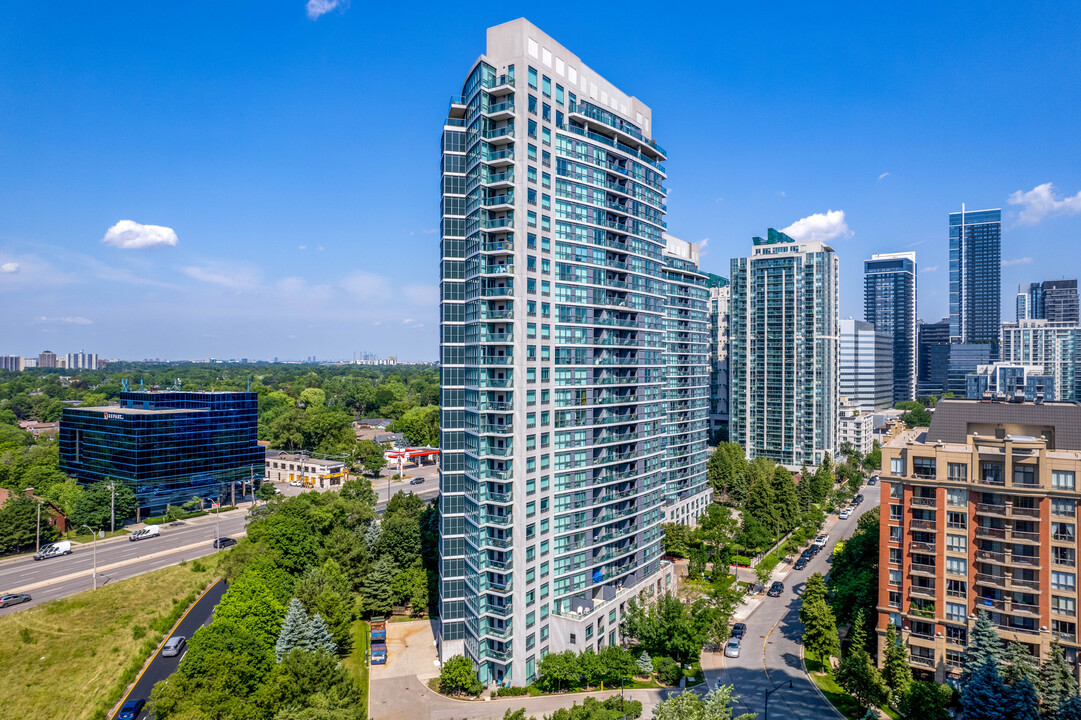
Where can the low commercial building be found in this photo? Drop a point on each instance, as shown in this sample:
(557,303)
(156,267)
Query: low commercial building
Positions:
(979,512)
(1006,379)
(167,446)
(313,472)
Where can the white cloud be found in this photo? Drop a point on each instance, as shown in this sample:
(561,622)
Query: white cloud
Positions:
(318,8)
(408,321)
(1040,202)
(883,175)
(130,235)
(230,277)
(70,319)
(302,247)
(820,226)
(1016,261)
(367,286)
(929,268)
(9,267)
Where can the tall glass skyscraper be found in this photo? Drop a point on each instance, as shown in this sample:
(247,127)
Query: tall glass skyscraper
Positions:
(783,363)
(571,338)
(975,276)
(889,303)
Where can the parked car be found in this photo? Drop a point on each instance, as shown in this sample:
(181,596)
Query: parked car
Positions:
(817,548)
(807,554)
(858,499)
(801,563)
(846,513)
(52,550)
(776,589)
(13,599)
(224,542)
(822,539)
(739,630)
(174,646)
(873,480)
(148,532)
(416,481)
(131,709)
(731,648)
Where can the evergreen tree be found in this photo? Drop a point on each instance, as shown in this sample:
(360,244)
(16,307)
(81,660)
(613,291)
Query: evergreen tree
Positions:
(983,692)
(784,494)
(1021,702)
(294,630)
(857,673)
(645,664)
(319,637)
(761,502)
(814,589)
(1019,665)
(371,535)
(1056,682)
(982,644)
(820,629)
(805,490)
(823,479)
(376,589)
(895,668)
(1070,709)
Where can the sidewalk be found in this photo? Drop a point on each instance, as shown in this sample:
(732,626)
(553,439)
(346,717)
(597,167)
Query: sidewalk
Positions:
(749,605)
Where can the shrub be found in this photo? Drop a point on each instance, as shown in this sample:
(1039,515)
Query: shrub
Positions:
(137,632)
(511,691)
(25,636)
(668,670)
(198,567)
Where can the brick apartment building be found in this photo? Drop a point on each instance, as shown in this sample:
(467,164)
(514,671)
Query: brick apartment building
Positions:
(979,511)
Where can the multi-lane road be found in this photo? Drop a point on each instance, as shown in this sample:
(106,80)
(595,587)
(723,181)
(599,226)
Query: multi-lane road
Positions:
(117,558)
(770,655)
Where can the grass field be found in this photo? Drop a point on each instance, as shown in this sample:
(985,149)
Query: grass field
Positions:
(357,662)
(68,658)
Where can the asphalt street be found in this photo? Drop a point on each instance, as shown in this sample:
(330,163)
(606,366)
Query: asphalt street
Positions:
(770,653)
(162,667)
(118,558)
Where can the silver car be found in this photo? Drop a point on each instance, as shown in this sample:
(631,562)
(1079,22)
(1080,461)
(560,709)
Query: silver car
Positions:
(731,649)
(174,646)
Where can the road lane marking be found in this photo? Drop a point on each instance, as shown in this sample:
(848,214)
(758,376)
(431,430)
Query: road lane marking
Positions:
(766,640)
(112,566)
(150,662)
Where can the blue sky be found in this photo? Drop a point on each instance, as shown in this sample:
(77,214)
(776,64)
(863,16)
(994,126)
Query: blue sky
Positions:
(287,161)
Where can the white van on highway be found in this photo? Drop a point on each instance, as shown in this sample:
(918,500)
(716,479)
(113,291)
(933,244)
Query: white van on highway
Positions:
(52,550)
(151,531)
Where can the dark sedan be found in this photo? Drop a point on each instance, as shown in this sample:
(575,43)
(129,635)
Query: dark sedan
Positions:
(738,630)
(776,589)
(13,599)
(801,563)
(224,542)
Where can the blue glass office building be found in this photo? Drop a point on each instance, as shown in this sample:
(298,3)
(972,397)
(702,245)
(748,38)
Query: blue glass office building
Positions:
(166,446)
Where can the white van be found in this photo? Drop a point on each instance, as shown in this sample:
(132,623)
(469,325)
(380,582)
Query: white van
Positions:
(55,549)
(151,531)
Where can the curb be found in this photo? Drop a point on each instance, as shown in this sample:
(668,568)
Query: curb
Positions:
(161,644)
(803,666)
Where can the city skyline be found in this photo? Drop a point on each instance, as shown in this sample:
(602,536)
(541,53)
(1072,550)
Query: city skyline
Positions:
(196,217)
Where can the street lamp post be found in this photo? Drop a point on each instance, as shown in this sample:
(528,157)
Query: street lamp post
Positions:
(94,544)
(765,709)
(37,532)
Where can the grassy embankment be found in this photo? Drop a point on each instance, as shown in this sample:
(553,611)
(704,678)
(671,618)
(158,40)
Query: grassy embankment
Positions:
(73,658)
(357,662)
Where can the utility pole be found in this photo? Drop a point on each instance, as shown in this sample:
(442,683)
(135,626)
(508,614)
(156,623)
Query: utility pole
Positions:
(95,546)
(112,505)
